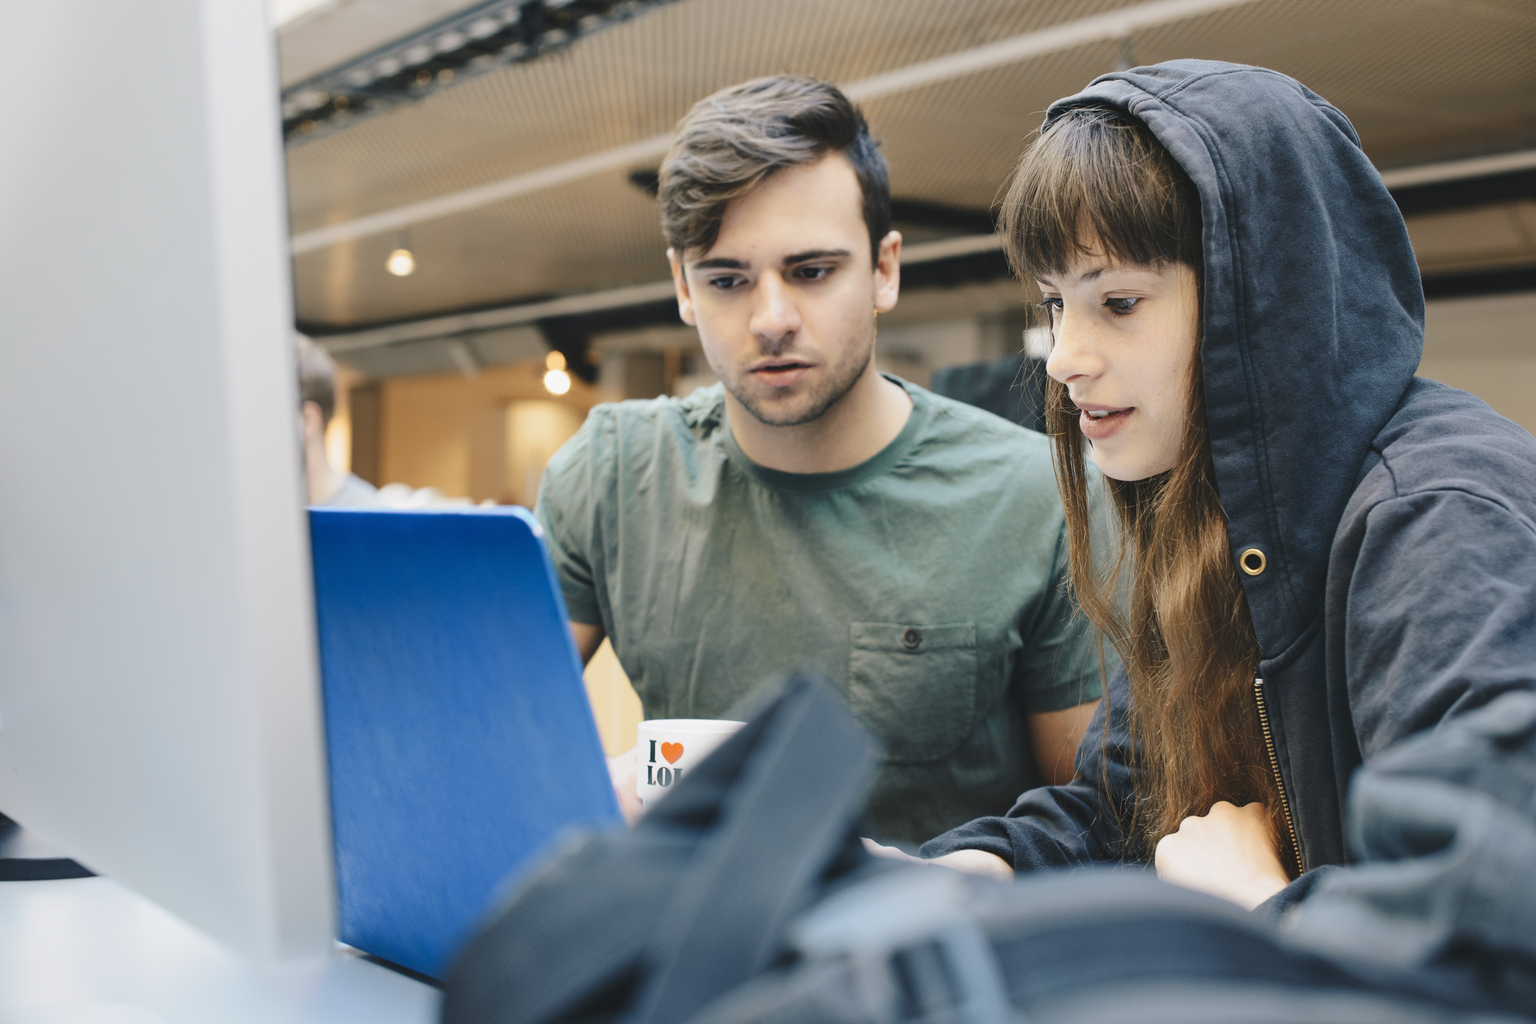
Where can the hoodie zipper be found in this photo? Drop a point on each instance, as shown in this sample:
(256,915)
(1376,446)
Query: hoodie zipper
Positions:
(1274,765)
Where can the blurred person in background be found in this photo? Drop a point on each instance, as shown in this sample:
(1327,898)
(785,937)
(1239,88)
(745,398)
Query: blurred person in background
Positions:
(326,485)
(810,511)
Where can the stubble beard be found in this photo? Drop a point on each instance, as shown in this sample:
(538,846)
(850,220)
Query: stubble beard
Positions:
(838,381)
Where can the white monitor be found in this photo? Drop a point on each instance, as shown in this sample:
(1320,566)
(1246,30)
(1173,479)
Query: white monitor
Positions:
(159,707)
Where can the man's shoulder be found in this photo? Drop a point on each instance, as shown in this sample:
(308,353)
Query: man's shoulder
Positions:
(979,437)
(696,414)
(640,431)
(977,424)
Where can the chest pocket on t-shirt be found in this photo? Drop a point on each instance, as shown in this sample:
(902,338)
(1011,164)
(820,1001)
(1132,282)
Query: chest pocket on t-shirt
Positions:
(914,685)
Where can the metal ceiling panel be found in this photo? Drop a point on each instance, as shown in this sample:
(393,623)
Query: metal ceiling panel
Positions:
(1421,79)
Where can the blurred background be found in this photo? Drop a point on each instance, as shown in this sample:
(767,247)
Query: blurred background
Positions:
(476,240)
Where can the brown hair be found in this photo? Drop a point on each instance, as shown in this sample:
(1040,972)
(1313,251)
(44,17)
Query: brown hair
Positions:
(1168,599)
(317,376)
(731,142)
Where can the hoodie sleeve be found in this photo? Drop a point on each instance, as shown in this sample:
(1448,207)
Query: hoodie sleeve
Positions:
(1081,823)
(1430,595)
(1438,620)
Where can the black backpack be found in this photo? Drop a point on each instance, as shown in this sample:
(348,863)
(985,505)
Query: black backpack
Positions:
(745,897)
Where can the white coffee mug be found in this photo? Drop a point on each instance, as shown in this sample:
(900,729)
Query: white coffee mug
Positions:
(669,748)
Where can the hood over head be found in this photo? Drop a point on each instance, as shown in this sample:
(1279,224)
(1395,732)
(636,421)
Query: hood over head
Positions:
(1313,311)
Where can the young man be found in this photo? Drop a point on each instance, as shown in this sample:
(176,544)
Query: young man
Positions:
(810,511)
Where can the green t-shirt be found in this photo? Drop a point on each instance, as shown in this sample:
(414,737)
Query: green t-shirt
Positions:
(927,583)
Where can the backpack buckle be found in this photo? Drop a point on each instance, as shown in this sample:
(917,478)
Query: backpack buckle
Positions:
(911,948)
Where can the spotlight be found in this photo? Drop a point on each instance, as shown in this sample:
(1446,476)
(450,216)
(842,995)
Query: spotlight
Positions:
(555,361)
(401,263)
(557,382)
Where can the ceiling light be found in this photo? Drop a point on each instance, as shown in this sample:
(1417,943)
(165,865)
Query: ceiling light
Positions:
(401,263)
(557,382)
(555,361)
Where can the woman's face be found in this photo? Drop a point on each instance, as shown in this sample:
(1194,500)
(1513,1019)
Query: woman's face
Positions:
(1123,341)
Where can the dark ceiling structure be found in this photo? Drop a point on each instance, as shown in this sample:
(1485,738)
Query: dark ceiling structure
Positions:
(518,178)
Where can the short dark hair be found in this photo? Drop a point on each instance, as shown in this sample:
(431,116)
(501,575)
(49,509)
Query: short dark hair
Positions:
(733,141)
(317,377)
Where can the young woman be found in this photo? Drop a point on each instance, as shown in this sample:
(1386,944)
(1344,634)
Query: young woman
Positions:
(1320,553)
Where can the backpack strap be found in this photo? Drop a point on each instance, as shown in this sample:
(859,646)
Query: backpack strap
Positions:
(785,819)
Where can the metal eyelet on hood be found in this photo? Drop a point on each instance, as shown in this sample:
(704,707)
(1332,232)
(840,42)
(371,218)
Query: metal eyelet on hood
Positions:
(1252,561)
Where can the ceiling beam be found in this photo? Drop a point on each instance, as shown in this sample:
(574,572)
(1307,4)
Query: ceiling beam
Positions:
(1455,170)
(591,302)
(1406,182)
(1111,25)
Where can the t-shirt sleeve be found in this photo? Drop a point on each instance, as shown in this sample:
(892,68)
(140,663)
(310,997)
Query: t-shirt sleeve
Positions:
(1059,666)
(567,510)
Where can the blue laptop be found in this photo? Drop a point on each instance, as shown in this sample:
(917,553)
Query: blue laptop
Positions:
(458,729)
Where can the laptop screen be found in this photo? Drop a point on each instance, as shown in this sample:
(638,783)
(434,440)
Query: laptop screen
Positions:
(459,735)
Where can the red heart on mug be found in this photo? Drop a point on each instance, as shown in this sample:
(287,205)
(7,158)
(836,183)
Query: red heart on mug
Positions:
(671,751)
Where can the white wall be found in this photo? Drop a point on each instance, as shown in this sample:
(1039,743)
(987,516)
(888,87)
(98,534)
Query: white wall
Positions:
(535,430)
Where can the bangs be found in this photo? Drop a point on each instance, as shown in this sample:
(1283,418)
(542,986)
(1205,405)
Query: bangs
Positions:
(1098,181)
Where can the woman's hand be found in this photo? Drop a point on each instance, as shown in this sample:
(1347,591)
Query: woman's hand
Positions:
(1229,852)
(972,862)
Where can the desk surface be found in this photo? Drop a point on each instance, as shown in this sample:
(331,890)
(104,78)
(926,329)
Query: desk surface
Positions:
(89,951)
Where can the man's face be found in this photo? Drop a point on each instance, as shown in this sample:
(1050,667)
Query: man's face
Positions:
(785,300)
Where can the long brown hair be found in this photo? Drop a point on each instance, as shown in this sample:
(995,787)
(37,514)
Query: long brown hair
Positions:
(1167,597)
